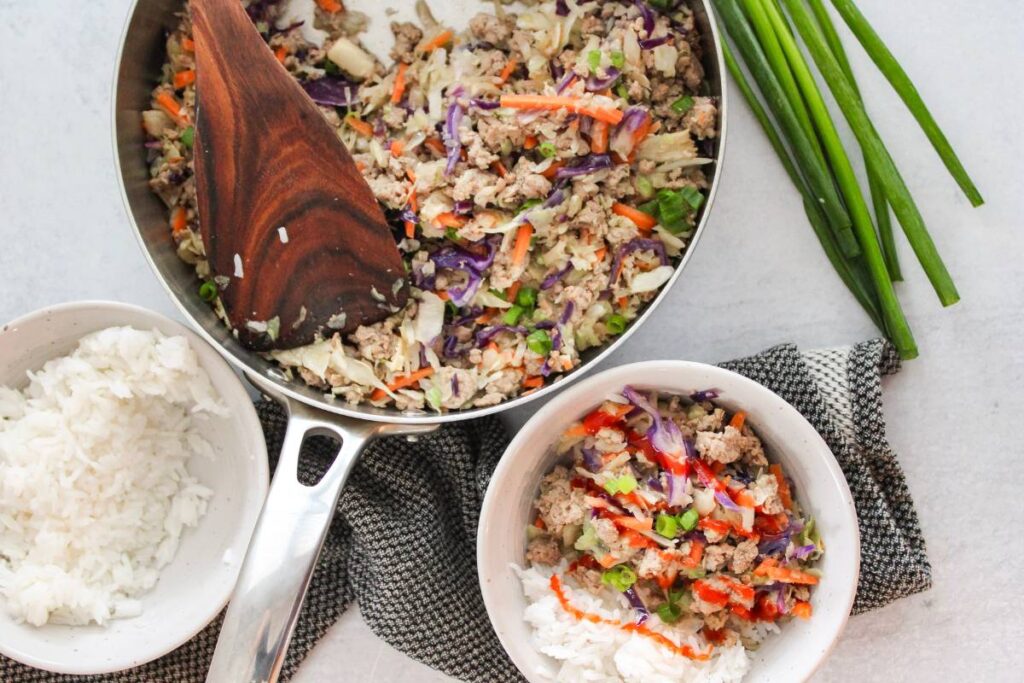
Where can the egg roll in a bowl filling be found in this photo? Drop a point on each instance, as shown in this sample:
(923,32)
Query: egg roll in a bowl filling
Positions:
(543,171)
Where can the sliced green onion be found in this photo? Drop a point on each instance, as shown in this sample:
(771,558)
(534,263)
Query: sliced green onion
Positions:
(512,315)
(896,189)
(625,485)
(682,105)
(698,573)
(650,208)
(622,91)
(692,196)
(895,74)
(188,136)
(539,342)
(452,234)
(529,204)
(330,68)
(818,178)
(618,59)
(621,578)
(668,612)
(208,291)
(526,297)
(615,323)
(594,59)
(666,525)
(878,201)
(452,308)
(672,210)
(644,186)
(547,149)
(688,520)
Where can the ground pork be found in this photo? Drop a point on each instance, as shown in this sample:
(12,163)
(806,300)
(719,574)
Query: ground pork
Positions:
(559,504)
(490,29)
(765,491)
(544,550)
(743,557)
(375,342)
(407,37)
(702,119)
(716,556)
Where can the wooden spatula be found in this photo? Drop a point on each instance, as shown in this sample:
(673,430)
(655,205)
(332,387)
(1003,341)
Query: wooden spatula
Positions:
(284,213)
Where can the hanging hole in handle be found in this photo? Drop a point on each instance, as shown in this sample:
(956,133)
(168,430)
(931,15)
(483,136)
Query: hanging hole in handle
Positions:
(318,452)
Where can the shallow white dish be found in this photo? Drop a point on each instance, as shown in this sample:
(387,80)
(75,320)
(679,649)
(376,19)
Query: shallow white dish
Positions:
(196,585)
(790,657)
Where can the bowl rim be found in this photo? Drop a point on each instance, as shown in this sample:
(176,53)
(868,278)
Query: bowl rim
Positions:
(576,401)
(245,411)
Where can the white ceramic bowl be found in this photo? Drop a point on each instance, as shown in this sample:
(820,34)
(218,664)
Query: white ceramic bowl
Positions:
(196,585)
(789,657)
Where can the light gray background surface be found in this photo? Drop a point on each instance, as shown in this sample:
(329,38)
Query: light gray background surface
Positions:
(757,279)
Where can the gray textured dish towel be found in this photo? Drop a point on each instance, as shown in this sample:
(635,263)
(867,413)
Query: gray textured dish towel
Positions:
(403,544)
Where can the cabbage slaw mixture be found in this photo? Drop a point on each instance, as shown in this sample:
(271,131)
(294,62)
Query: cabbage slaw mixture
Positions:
(541,172)
(672,507)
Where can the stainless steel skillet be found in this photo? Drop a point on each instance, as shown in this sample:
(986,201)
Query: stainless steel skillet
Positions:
(294,521)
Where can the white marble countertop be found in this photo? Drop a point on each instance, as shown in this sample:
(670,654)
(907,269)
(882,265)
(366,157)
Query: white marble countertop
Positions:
(758,278)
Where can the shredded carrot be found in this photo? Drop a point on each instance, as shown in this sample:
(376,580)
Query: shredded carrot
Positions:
(484,317)
(331,6)
(802,610)
(187,44)
(636,540)
(183,79)
(493,346)
(281,54)
(642,220)
(744,499)
(696,554)
(555,102)
(539,523)
(522,244)
(450,220)
(607,561)
(737,420)
(627,522)
(643,131)
(623,301)
(512,291)
(399,89)
(436,145)
(499,168)
(530,142)
(599,138)
(506,73)
(403,381)
(552,170)
(397,148)
(359,126)
(600,254)
(533,382)
(172,108)
(178,222)
(576,431)
(784,493)
(440,40)
(361,166)
(784,575)
(410,229)
(443,295)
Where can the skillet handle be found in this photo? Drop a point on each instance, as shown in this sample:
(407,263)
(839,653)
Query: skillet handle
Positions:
(285,545)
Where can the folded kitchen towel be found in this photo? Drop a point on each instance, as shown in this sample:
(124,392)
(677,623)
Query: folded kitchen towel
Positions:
(403,542)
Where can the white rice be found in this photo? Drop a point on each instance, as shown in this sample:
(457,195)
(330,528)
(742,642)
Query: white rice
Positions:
(94,488)
(603,653)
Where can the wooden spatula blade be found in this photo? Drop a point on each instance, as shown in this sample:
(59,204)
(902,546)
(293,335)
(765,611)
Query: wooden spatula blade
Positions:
(284,213)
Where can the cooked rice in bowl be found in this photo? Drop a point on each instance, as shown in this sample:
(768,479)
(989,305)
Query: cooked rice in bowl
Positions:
(543,173)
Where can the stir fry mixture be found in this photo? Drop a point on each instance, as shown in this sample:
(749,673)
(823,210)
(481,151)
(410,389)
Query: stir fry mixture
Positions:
(541,172)
(673,506)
